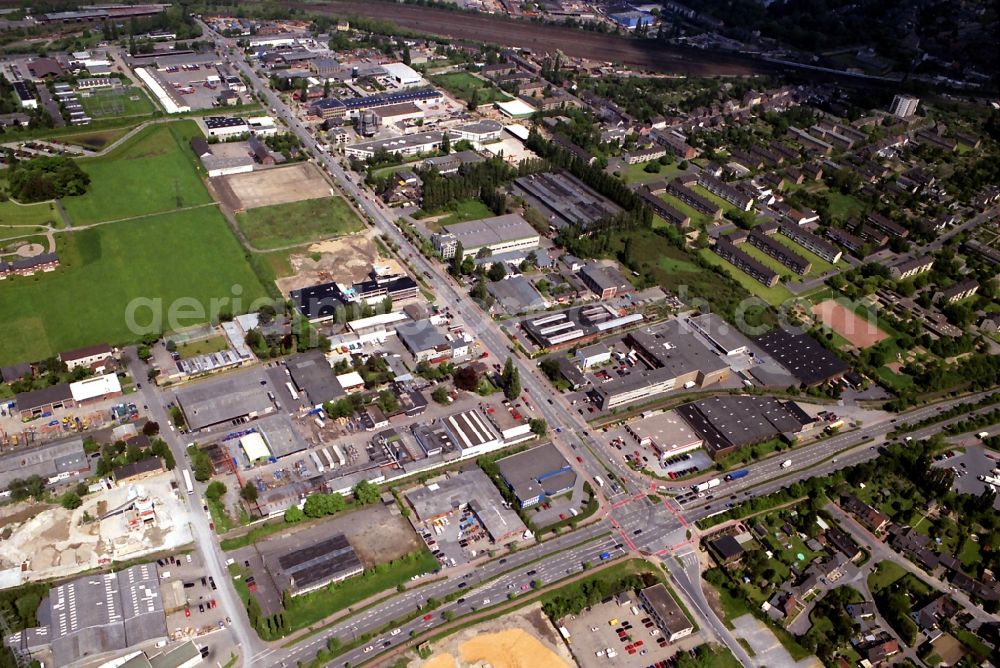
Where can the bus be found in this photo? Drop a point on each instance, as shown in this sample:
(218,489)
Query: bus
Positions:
(187,481)
(291,391)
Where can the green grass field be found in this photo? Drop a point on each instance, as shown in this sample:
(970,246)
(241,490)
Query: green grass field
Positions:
(109,103)
(768,261)
(270,227)
(203,347)
(14,215)
(153,172)
(191,254)
(461,85)
(885,574)
(637,173)
(773,296)
(462,211)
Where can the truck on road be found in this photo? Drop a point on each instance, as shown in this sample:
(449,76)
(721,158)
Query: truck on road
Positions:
(736,475)
(785,464)
(599,481)
(707,485)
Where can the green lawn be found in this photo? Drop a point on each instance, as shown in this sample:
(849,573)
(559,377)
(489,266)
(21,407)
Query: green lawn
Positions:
(191,254)
(461,85)
(884,575)
(14,216)
(637,173)
(970,555)
(203,347)
(896,381)
(462,211)
(153,172)
(774,296)
(269,227)
(126,101)
(843,207)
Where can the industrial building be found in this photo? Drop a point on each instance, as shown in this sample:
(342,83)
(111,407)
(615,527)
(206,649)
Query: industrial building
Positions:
(672,359)
(224,127)
(465,434)
(537,474)
(577,325)
(727,338)
(666,432)
(604,281)
(424,341)
(479,133)
(666,612)
(312,375)
(52,462)
(415,144)
(98,614)
(314,567)
(500,234)
(220,400)
(517,295)
(726,423)
(470,489)
(803,356)
(564,199)
(39,403)
(320,303)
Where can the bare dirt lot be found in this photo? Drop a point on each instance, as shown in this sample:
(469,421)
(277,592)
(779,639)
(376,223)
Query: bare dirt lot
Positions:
(345,260)
(859,331)
(522,639)
(265,187)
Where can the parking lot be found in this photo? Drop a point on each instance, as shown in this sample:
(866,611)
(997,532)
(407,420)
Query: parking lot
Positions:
(199,613)
(621,444)
(189,83)
(621,628)
(975,461)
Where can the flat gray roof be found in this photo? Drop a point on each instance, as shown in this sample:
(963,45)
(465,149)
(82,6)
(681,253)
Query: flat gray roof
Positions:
(105,612)
(667,609)
(472,488)
(420,335)
(45,461)
(222,399)
(330,559)
(537,471)
(281,437)
(725,336)
(312,374)
(516,294)
(397,143)
(727,421)
(488,231)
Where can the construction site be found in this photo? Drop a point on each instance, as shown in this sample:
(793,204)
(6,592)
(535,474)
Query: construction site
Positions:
(114,523)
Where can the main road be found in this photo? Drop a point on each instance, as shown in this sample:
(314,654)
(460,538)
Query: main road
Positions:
(653,528)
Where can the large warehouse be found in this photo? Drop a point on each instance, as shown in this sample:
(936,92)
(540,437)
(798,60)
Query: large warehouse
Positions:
(222,400)
(667,432)
(500,234)
(730,422)
(803,356)
(316,566)
(467,489)
(537,474)
(99,614)
(672,357)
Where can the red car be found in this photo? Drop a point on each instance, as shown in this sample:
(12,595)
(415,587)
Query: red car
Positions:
(428,618)
(187,612)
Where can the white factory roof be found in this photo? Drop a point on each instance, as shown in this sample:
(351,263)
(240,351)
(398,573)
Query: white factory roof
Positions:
(254,447)
(98,386)
(516,108)
(350,379)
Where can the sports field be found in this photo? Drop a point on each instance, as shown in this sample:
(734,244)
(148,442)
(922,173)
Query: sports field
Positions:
(189,254)
(280,225)
(860,332)
(153,172)
(109,103)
